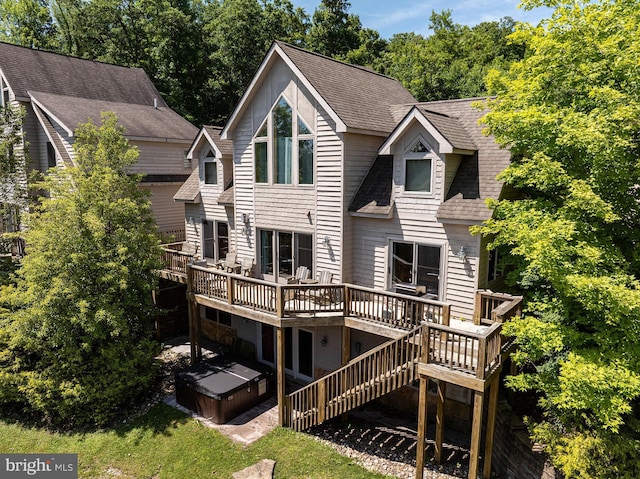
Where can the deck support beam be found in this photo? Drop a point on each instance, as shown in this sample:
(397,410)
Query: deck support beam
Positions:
(476,430)
(491,426)
(280,373)
(193,312)
(442,392)
(422,427)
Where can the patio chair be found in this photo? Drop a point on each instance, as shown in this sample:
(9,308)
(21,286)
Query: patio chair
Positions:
(230,263)
(246,267)
(324,294)
(190,248)
(301,273)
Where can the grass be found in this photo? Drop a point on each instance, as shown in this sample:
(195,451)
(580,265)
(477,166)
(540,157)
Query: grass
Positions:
(166,443)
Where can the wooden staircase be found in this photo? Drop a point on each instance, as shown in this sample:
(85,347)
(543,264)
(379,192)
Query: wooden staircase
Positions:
(365,378)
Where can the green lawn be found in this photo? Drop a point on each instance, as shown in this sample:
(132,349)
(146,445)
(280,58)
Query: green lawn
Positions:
(165,443)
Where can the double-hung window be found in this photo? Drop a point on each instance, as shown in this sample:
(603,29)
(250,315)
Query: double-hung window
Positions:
(283,148)
(418,169)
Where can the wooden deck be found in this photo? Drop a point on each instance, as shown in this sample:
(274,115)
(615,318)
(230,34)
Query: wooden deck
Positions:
(424,344)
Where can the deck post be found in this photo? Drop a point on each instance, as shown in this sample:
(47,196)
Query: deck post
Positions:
(346,345)
(477,309)
(491,424)
(194,319)
(230,298)
(422,427)
(476,431)
(442,392)
(280,373)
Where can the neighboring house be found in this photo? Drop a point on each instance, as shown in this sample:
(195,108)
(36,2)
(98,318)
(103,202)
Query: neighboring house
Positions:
(338,169)
(60,92)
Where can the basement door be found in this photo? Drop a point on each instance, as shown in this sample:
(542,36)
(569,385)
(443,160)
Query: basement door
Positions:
(298,350)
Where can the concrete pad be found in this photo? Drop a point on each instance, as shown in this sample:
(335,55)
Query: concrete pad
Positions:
(262,470)
(246,428)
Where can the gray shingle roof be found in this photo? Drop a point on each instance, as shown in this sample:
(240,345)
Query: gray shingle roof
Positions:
(475,180)
(26,69)
(375,194)
(225,146)
(138,120)
(190,189)
(362,98)
(451,128)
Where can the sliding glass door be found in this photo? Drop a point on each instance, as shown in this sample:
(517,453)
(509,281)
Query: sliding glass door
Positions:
(416,264)
(281,252)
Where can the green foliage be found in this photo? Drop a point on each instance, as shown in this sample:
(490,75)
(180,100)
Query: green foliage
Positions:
(569,112)
(334,32)
(26,22)
(453,62)
(75,338)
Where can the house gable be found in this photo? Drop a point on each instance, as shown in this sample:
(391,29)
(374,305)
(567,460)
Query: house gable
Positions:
(355,98)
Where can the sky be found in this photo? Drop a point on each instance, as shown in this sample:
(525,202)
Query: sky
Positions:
(389,17)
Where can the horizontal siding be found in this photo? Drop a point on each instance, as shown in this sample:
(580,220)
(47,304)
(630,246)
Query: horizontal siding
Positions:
(329,208)
(169,214)
(161,158)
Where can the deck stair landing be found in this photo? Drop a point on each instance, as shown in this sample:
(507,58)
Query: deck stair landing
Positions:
(365,378)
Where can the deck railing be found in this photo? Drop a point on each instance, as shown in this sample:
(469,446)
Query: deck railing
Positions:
(493,307)
(394,310)
(467,352)
(367,377)
(297,300)
(173,259)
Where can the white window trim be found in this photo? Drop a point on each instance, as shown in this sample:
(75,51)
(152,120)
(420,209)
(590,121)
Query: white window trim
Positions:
(274,249)
(295,166)
(408,155)
(209,156)
(444,247)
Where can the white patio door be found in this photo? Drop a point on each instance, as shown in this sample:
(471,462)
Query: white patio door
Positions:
(298,350)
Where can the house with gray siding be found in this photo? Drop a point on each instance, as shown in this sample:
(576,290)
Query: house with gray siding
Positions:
(335,170)
(60,92)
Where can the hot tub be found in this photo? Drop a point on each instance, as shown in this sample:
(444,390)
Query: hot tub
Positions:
(220,389)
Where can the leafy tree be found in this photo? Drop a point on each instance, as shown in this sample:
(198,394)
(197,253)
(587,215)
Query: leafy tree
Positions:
(569,112)
(27,23)
(453,62)
(239,33)
(13,180)
(334,31)
(75,339)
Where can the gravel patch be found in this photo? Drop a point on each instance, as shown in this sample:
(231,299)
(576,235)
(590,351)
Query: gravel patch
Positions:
(389,448)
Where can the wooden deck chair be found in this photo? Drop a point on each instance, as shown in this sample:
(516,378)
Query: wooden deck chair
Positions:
(190,248)
(324,294)
(247,267)
(302,272)
(230,263)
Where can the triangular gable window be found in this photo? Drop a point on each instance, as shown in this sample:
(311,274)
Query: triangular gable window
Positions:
(302,128)
(262,133)
(418,147)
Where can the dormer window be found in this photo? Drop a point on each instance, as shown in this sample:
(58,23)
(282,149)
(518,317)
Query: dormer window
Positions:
(418,168)
(283,148)
(210,169)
